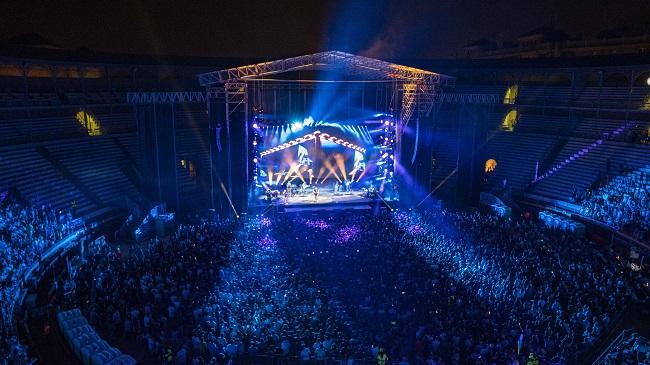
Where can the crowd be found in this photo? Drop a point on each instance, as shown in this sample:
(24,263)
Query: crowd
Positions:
(437,288)
(152,293)
(624,203)
(558,293)
(26,232)
(445,288)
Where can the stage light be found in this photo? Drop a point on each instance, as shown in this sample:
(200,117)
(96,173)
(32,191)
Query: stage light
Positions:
(255,160)
(255,125)
(387,122)
(254,143)
(648,81)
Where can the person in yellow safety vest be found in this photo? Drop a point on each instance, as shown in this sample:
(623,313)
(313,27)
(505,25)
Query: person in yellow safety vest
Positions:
(382,357)
(532,359)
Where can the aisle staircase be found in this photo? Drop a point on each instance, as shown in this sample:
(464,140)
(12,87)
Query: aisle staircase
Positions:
(583,151)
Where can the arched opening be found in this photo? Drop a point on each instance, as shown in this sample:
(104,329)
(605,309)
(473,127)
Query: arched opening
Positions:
(511,94)
(490,165)
(509,121)
(90,123)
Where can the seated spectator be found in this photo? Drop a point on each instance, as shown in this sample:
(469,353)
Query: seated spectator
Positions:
(624,202)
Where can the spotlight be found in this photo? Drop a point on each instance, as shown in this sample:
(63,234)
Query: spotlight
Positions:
(648,81)
(255,160)
(386,123)
(255,125)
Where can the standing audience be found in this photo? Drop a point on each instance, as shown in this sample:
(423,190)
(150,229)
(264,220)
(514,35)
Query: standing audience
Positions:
(26,232)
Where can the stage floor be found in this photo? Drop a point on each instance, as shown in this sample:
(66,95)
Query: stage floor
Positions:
(327,200)
(323,198)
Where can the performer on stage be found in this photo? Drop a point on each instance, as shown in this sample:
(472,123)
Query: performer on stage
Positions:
(336,187)
(315,194)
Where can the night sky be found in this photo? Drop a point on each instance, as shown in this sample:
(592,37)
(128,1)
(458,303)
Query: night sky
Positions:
(273,29)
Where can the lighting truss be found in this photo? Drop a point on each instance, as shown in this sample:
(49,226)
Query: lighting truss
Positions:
(421,86)
(168,97)
(463,98)
(313,136)
(365,66)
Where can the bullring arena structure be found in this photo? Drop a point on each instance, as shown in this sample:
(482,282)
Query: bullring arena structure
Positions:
(324,207)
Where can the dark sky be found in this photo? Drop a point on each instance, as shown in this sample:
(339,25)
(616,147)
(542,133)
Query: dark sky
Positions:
(239,28)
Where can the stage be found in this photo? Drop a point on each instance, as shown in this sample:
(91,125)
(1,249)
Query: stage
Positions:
(327,200)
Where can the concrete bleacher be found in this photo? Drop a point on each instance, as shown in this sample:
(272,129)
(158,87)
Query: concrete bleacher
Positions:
(38,181)
(131,144)
(99,97)
(546,124)
(545,95)
(117,122)
(516,155)
(609,97)
(191,145)
(446,156)
(580,173)
(96,163)
(8,100)
(25,130)
(191,119)
(38,129)
(595,128)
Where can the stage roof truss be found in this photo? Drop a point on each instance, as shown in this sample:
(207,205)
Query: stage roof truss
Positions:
(419,87)
(359,65)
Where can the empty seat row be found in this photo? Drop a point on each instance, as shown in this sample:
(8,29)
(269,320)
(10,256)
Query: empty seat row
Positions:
(86,343)
(517,155)
(39,181)
(545,95)
(545,124)
(97,163)
(31,99)
(18,131)
(614,97)
(103,97)
(579,173)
